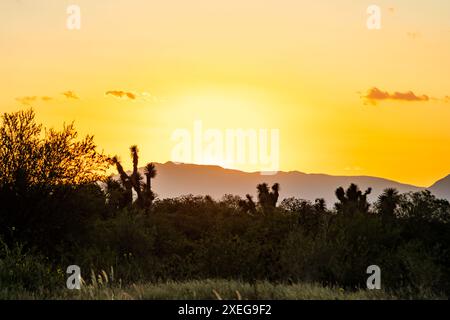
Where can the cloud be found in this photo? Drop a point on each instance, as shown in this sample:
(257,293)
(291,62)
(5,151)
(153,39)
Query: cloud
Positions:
(30,100)
(143,96)
(374,95)
(121,94)
(70,95)
(27,100)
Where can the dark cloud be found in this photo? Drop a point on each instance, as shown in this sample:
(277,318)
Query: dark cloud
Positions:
(30,100)
(121,94)
(27,100)
(70,95)
(375,95)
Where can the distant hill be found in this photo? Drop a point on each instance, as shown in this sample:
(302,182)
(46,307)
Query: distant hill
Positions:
(181,179)
(442,188)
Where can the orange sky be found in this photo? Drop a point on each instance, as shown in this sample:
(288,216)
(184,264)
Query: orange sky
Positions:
(301,67)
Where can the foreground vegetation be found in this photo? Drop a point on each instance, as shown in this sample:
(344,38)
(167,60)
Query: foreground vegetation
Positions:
(213,290)
(54,213)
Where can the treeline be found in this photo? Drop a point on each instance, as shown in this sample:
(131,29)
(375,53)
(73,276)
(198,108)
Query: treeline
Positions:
(54,213)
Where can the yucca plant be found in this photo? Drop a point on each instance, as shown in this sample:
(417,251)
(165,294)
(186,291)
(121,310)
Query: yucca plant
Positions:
(145,195)
(150,173)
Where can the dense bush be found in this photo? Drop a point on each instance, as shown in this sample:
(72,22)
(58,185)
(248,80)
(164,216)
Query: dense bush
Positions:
(52,217)
(197,238)
(22,270)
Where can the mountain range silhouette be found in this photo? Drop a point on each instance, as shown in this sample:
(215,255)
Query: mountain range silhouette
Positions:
(175,180)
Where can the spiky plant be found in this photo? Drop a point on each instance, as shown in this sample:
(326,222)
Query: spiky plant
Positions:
(134,180)
(387,203)
(268,199)
(248,205)
(135,176)
(150,173)
(352,200)
(126,181)
(274,194)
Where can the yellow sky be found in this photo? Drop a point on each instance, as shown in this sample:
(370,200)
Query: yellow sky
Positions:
(297,66)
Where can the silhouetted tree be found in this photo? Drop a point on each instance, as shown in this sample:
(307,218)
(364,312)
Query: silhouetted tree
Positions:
(353,200)
(248,205)
(49,159)
(424,206)
(115,194)
(49,188)
(274,195)
(126,183)
(135,177)
(311,216)
(268,199)
(320,205)
(387,204)
(145,195)
(150,173)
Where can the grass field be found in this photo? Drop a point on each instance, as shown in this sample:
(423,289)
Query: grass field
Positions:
(211,289)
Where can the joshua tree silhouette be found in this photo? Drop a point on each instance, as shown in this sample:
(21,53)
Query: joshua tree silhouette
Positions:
(150,173)
(352,200)
(126,182)
(145,195)
(248,205)
(267,200)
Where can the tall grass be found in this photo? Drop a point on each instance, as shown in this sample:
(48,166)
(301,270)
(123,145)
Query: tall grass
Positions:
(103,289)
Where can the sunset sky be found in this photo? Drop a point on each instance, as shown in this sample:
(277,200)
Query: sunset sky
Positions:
(346,100)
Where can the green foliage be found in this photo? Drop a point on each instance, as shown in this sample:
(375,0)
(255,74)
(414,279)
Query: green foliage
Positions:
(22,270)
